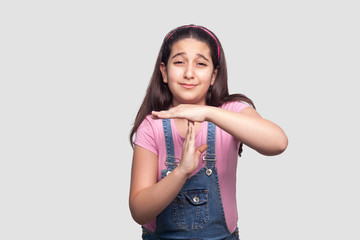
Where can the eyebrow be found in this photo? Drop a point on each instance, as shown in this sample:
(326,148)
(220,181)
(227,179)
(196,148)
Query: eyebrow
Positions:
(183,53)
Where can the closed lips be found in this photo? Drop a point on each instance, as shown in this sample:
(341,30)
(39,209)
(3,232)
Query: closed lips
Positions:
(187,85)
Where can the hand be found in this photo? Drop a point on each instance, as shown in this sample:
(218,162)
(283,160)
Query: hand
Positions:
(194,113)
(190,156)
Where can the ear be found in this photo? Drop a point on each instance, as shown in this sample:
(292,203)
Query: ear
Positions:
(163,72)
(213,77)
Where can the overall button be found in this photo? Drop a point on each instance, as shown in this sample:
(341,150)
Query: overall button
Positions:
(208,172)
(196,199)
(168,172)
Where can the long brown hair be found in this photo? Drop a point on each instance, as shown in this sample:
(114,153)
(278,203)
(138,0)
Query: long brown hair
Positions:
(158,96)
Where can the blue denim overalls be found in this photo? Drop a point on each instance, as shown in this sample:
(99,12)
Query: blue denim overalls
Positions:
(197,211)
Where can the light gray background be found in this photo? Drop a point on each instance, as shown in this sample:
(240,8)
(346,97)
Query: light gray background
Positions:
(73,74)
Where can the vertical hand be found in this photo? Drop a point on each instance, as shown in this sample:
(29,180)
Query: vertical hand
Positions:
(190,155)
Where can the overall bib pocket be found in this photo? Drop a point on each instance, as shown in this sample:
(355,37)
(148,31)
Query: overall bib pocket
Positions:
(190,209)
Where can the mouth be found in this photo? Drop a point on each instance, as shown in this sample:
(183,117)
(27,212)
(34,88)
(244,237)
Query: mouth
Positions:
(188,85)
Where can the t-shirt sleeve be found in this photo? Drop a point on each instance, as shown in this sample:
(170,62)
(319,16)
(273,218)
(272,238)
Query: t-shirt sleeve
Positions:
(145,136)
(236,106)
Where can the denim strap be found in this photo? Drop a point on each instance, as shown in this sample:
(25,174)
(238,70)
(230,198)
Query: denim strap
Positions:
(170,152)
(210,157)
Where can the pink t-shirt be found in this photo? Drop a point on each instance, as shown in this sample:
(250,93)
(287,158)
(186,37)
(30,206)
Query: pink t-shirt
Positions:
(150,135)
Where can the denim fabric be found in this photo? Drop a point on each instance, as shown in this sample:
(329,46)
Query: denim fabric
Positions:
(147,235)
(197,211)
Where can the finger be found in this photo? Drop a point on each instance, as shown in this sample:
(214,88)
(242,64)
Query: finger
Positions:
(188,133)
(189,142)
(160,114)
(191,127)
(154,115)
(200,150)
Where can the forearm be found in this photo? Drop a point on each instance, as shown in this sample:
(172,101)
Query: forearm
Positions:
(254,131)
(148,203)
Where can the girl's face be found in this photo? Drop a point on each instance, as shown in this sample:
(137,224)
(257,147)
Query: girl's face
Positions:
(189,72)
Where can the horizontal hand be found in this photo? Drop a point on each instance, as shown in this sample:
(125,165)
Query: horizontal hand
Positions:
(194,113)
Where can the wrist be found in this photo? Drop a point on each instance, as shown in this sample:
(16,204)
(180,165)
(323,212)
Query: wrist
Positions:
(209,110)
(180,173)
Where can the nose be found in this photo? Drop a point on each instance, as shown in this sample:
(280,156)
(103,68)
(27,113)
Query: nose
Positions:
(189,72)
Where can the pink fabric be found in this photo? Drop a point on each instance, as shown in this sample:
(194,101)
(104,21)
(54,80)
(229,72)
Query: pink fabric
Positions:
(150,135)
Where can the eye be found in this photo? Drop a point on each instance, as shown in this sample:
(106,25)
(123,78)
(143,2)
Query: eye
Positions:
(202,64)
(178,62)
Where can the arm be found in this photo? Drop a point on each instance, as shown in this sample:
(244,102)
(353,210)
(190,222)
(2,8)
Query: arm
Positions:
(247,126)
(250,128)
(149,197)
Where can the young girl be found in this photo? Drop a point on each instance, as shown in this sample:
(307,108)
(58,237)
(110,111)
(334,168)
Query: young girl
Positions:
(189,133)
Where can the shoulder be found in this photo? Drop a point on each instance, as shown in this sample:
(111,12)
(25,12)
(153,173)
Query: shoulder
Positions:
(150,122)
(235,106)
(149,134)
(150,125)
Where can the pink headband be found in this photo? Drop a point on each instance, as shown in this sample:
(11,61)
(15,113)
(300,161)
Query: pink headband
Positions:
(212,35)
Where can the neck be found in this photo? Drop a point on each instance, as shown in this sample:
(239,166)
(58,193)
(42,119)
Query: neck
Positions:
(177,103)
